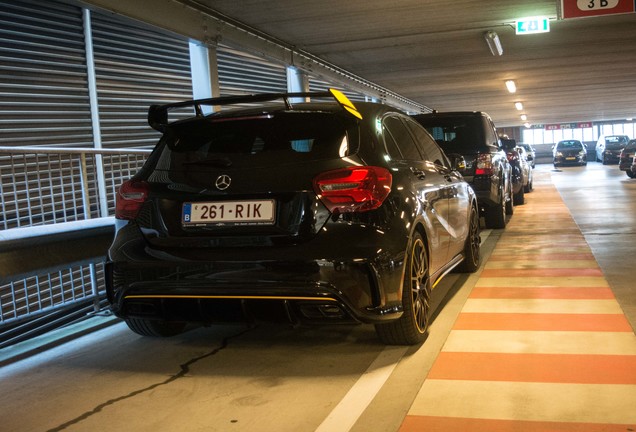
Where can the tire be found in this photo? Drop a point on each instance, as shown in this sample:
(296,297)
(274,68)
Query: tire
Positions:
(529,186)
(510,204)
(155,328)
(630,174)
(412,327)
(496,216)
(519,197)
(472,256)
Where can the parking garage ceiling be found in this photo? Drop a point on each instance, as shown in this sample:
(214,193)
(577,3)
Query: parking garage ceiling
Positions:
(434,52)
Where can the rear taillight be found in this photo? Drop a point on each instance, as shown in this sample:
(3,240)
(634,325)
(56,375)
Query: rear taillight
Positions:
(354,189)
(130,197)
(483,164)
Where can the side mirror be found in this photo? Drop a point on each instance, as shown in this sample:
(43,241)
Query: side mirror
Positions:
(458,163)
(508,144)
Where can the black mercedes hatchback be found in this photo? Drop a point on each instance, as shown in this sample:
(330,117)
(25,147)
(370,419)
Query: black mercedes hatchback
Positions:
(316,212)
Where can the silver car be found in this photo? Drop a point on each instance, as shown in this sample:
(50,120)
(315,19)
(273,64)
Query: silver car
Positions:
(526,167)
(532,154)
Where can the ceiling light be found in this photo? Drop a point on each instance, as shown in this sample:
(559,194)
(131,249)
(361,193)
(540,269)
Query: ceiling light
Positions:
(519,106)
(524,117)
(511,86)
(492,39)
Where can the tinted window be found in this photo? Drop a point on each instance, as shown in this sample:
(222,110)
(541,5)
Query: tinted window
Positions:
(402,138)
(391,146)
(490,133)
(455,134)
(573,144)
(267,139)
(427,144)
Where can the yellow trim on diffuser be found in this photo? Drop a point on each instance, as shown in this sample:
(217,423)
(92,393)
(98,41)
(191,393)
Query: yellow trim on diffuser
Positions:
(172,296)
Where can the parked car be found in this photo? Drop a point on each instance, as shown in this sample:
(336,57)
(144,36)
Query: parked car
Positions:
(526,168)
(569,152)
(324,212)
(626,157)
(608,148)
(632,171)
(514,158)
(474,136)
(532,154)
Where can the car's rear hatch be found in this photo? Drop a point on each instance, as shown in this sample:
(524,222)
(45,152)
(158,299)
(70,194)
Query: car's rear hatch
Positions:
(244,181)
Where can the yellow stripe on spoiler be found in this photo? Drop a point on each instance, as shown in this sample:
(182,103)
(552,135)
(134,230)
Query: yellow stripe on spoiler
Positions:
(345,102)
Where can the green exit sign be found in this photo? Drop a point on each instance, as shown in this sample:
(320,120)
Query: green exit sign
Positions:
(532,25)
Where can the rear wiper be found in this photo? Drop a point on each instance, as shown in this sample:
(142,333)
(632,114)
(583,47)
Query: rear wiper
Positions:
(220,162)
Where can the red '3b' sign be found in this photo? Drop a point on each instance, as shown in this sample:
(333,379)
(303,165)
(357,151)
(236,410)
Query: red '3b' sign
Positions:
(586,8)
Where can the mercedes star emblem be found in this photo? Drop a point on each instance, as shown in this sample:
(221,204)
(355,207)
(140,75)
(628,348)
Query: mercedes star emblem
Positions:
(223,182)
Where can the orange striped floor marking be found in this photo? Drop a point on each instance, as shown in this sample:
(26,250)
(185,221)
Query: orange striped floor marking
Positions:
(541,293)
(549,368)
(543,322)
(539,256)
(549,272)
(453,424)
(540,345)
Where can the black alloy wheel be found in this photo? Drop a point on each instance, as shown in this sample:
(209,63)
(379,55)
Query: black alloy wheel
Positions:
(411,328)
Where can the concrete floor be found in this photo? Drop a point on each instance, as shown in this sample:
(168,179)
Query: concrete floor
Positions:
(550,348)
(602,201)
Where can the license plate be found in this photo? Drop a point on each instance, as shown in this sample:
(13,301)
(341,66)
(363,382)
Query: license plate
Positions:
(256,212)
(570,158)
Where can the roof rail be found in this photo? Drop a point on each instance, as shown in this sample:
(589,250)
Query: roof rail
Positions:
(158,114)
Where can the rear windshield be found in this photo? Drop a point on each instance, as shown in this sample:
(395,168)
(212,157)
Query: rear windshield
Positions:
(570,145)
(616,141)
(258,140)
(455,135)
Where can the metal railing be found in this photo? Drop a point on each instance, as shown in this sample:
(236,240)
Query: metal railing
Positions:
(45,188)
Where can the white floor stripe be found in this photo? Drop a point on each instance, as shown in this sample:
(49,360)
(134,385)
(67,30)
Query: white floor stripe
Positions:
(588,403)
(547,306)
(346,413)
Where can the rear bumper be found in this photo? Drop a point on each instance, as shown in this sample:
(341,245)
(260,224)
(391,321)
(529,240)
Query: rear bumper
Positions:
(569,160)
(611,157)
(356,268)
(316,291)
(486,191)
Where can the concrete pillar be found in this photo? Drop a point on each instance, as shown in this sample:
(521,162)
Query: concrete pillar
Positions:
(297,82)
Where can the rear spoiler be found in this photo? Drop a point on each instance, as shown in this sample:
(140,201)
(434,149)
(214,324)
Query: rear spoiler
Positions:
(158,114)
